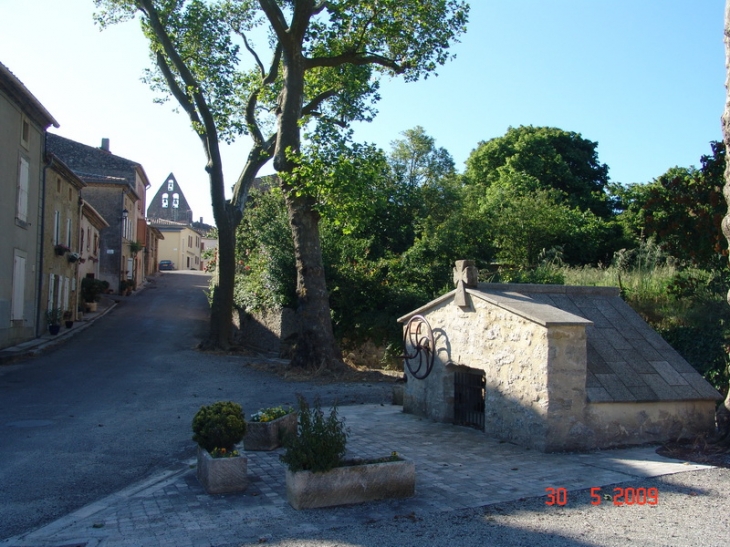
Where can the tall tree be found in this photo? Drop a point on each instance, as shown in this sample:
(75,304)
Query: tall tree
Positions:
(196,62)
(545,158)
(327,56)
(683,210)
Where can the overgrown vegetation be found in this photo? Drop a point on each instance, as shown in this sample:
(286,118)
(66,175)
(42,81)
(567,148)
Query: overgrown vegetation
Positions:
(393,224)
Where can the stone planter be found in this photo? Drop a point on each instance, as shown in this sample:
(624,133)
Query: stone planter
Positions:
(351,484)
(222,475)
(269,435)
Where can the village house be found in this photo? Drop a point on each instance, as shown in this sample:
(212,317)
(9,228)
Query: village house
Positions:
(116,188)
(23,125)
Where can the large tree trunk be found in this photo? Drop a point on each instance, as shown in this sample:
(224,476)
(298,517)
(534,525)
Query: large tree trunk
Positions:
(221,309)
(722,417)
(315,346)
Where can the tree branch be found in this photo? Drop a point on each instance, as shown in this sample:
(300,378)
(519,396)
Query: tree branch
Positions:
(355,58)
(177,92)
(252,52)
(309,109)
(276,19)
(273,74)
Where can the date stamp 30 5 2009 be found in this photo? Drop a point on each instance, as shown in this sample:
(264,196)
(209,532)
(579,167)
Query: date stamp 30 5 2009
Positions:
(619,496)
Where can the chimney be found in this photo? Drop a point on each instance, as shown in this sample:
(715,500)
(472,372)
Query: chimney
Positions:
(105,145)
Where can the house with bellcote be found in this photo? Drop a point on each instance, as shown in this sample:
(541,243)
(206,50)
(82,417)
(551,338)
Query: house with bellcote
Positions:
(170,204)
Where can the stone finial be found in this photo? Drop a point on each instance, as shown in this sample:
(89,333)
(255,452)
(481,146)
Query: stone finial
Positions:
(466,272)
(465,275)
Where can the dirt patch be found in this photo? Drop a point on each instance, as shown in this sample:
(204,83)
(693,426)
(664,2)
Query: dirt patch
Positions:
(700,450)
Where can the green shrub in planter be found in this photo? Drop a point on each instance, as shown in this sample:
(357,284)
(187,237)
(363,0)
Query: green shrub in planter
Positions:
(320,445)
(221,425)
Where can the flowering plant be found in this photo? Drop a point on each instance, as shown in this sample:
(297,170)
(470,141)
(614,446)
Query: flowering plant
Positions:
(223,453)
(271,414)
(60,249)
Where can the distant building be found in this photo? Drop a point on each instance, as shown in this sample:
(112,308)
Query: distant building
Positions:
(181,244)
(169,203)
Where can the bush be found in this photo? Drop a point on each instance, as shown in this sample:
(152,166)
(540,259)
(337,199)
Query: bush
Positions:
(221,425)
(320,445)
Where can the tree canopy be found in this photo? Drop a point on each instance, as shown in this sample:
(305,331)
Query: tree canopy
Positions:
(531,158)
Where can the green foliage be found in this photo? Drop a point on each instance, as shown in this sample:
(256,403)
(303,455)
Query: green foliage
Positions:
(54,316)
(92,289)
(270,414)
(529,158)
(321,442)
(683,210)
(221,425)
(266,274)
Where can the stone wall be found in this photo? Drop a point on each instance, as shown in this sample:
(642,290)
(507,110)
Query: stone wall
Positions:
(617,424)
(266,331)
(535,373)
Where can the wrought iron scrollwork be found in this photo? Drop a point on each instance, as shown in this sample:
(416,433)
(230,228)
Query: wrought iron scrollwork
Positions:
(418,347)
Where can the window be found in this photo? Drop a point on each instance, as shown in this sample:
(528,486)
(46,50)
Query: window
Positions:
(68,233)
(23,181)
(58,184)
(96,243)
(170,185)
(165,200)
(81,245)
(88,238)
(25,134)
(190,241)
(56,227)
(17,305)
(175,200)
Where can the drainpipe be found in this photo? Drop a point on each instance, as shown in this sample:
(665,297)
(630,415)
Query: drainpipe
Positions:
(46,164)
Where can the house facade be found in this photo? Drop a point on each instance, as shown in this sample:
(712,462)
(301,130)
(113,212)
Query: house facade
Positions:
(92,224)
(181,244)
(23,124)
(61,240)
(116,189)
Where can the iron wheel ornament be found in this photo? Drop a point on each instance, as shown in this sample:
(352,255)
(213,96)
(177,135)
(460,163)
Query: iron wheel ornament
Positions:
(418,347)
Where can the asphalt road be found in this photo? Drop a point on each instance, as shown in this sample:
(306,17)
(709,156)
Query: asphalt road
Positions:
(114,404)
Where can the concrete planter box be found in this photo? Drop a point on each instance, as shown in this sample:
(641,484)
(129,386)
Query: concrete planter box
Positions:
(351,484)
(222,475)
(268,435)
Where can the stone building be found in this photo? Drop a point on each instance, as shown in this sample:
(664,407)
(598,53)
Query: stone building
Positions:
(169,203)
(550,367)
(116,187)
(23,124)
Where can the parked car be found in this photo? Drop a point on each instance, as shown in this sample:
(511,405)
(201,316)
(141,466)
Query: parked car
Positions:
(166,265)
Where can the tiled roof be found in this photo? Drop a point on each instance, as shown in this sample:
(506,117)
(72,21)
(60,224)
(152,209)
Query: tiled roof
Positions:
(17,90)
(628,361)
(93,164)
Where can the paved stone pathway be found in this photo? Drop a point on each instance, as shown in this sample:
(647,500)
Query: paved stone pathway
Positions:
(456,468)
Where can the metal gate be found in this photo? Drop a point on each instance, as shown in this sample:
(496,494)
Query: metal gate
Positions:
(469,391)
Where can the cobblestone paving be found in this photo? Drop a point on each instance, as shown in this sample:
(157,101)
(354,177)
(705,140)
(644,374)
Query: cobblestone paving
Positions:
(456,468)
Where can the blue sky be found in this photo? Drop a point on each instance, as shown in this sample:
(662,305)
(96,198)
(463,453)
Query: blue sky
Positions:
(643,79)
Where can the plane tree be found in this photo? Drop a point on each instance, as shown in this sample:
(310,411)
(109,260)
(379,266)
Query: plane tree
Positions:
(326,59)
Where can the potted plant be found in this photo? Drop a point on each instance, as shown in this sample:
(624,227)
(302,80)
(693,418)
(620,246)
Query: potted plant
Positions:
(60,249)
(53,318)
(91,291)
(217,429)
(267,428)
(68,318)
(317,474)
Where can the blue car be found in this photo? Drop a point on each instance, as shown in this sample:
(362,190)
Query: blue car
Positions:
(166,265)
